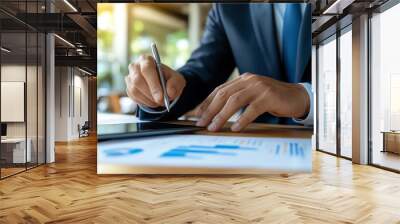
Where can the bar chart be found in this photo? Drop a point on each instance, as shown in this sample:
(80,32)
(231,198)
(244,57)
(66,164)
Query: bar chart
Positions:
(122,151)
(191,152)
(195,151)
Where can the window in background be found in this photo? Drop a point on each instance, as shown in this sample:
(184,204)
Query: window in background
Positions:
(106,29)
(169,32)
(385,88)
(327,95)
(346,93)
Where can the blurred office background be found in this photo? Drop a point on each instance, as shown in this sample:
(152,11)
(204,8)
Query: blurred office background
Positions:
(125,31)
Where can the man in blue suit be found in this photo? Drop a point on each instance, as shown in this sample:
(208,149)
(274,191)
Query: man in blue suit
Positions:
(270,44)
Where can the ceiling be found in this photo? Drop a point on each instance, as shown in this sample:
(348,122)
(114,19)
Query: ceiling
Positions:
(72,20)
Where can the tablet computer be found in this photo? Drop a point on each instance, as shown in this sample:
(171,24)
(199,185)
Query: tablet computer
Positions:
(142,129)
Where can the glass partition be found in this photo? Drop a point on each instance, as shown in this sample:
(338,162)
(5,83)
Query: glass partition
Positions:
(346,93)
(14,153)
(22,77)
(327,95)
(385,89)
(31,97)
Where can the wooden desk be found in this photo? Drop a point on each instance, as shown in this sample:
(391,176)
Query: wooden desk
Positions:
(70,191)
(391,141)
(262,130)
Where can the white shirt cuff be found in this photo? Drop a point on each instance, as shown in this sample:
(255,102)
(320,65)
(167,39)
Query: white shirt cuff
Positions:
(309,120)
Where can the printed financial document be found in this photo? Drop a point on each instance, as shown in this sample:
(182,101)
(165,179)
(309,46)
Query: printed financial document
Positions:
(192,154)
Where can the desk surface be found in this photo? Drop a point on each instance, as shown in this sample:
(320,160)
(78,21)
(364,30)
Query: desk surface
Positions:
(262,130)
(391,132)
(70,191)
(13,140)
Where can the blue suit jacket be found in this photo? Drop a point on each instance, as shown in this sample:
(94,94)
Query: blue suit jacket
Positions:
(242,36)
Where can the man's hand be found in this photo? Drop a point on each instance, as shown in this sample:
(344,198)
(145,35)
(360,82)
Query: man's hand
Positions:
(143,84)
(260,94)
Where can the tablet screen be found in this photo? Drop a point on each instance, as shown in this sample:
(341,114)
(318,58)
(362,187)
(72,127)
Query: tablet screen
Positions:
(130,130)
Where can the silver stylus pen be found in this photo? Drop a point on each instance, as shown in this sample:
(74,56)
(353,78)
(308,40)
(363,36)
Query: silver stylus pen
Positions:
(156,57)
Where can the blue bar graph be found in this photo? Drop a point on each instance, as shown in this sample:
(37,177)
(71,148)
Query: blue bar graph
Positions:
(296,150)
(220,147)
(290,149)
(191,151)
(122,152)
(277,149)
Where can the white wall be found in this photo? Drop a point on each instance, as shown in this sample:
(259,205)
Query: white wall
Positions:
(13,73)
(70,83)
(79,117)
(62,82)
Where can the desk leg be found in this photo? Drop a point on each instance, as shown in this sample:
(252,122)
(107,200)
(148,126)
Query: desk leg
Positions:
(384,142)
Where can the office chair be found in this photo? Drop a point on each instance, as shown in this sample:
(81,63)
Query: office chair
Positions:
(84,130)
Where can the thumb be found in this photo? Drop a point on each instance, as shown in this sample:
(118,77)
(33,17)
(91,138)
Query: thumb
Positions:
(175,85)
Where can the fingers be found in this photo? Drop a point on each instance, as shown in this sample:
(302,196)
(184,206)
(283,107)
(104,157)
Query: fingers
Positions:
(137,81)
(254,110)
(136,85)
(218,101)
(141,99)
(235,102)
(204,105)
(137,95)
(148,70)
(143,84)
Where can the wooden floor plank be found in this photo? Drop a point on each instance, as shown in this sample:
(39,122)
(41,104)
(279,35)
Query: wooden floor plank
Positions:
(70,191)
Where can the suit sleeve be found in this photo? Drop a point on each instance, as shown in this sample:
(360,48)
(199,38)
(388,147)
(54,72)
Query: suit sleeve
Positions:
(209,66)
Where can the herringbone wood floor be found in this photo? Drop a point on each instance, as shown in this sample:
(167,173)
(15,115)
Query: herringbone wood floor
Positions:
(70,191)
